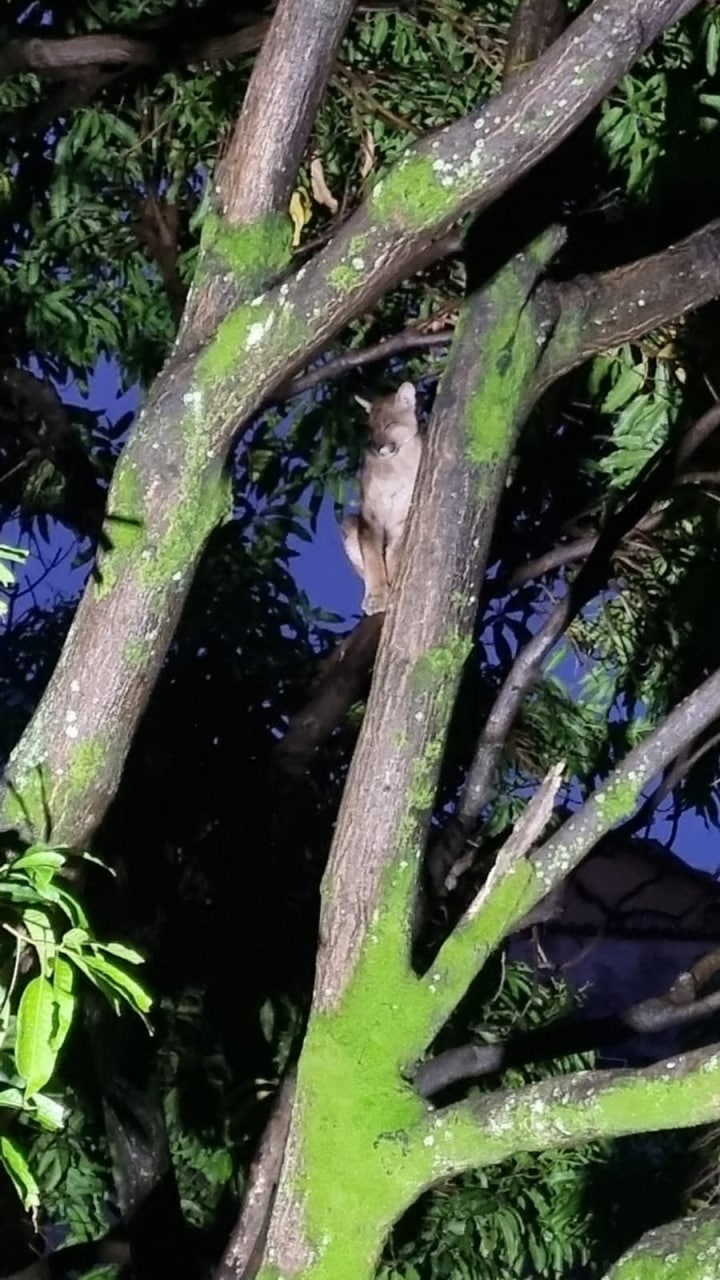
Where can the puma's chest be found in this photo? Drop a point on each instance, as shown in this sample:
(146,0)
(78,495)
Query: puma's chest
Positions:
(388,481)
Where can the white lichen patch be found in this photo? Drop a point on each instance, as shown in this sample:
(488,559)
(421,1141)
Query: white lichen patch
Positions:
(193,399)
(257,332)
(256,302)
(358,264)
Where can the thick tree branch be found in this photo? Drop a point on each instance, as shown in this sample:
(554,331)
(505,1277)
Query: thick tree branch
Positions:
(134,605)
(687,1241)
(464,167)
(177,41)
(373,861)
(680,1005)
(516,885)
(269,139)
(680,1093)
(342,683)
(243,1254)
(449,531)
(254,352)
(602,311)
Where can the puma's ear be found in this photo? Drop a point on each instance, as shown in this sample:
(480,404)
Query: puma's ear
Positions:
(366,405)
(405,396)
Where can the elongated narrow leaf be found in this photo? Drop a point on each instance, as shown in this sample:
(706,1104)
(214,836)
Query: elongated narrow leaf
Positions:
(19,1173)
(123,952)
(34,1055)
(63,990)
(75,939)
(50,859)
(126,986)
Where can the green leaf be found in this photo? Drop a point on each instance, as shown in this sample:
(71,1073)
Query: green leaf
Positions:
(123,952)
(35,1057)
(49,859)
(40,932)
(18,1170)
(49,1112)
(627,385)
(123,983)
(380,31)
(63,981)
(13,1098)
(75,939)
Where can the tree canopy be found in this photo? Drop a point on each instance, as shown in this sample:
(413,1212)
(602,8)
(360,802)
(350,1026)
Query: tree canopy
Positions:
(254,1048)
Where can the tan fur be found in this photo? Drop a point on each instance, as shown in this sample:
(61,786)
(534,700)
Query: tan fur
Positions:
(373,539)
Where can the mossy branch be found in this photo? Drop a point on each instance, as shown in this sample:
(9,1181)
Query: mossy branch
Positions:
(471,439)
(568,1110)
(687,1249)
(519,882)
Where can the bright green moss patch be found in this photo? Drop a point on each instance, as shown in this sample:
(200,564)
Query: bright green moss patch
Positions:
(412,193)
(466,950)
(360,1166)
(683,1250)
(245,327)
(253,336)
(508,359)
(345,275)
(253,252)
(25,802)
(124,524)
(509,351)
(137,651)
(35,800)
(618,799)
(85,761)
(441,663)
(201,508)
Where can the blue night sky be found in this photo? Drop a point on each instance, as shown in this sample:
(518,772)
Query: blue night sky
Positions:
(320,570)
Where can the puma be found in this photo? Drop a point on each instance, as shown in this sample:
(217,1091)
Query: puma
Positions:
(373,539)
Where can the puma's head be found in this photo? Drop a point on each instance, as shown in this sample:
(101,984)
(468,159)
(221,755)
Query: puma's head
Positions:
(393,418)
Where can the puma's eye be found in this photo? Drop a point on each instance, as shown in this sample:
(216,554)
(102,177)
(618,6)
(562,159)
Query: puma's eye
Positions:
(387,448)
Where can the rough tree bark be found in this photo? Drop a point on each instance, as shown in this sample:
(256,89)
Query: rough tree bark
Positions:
(169,491)
(363,1143)
(591,315)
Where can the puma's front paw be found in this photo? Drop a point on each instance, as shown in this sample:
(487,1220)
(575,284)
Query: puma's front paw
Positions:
(374,604)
